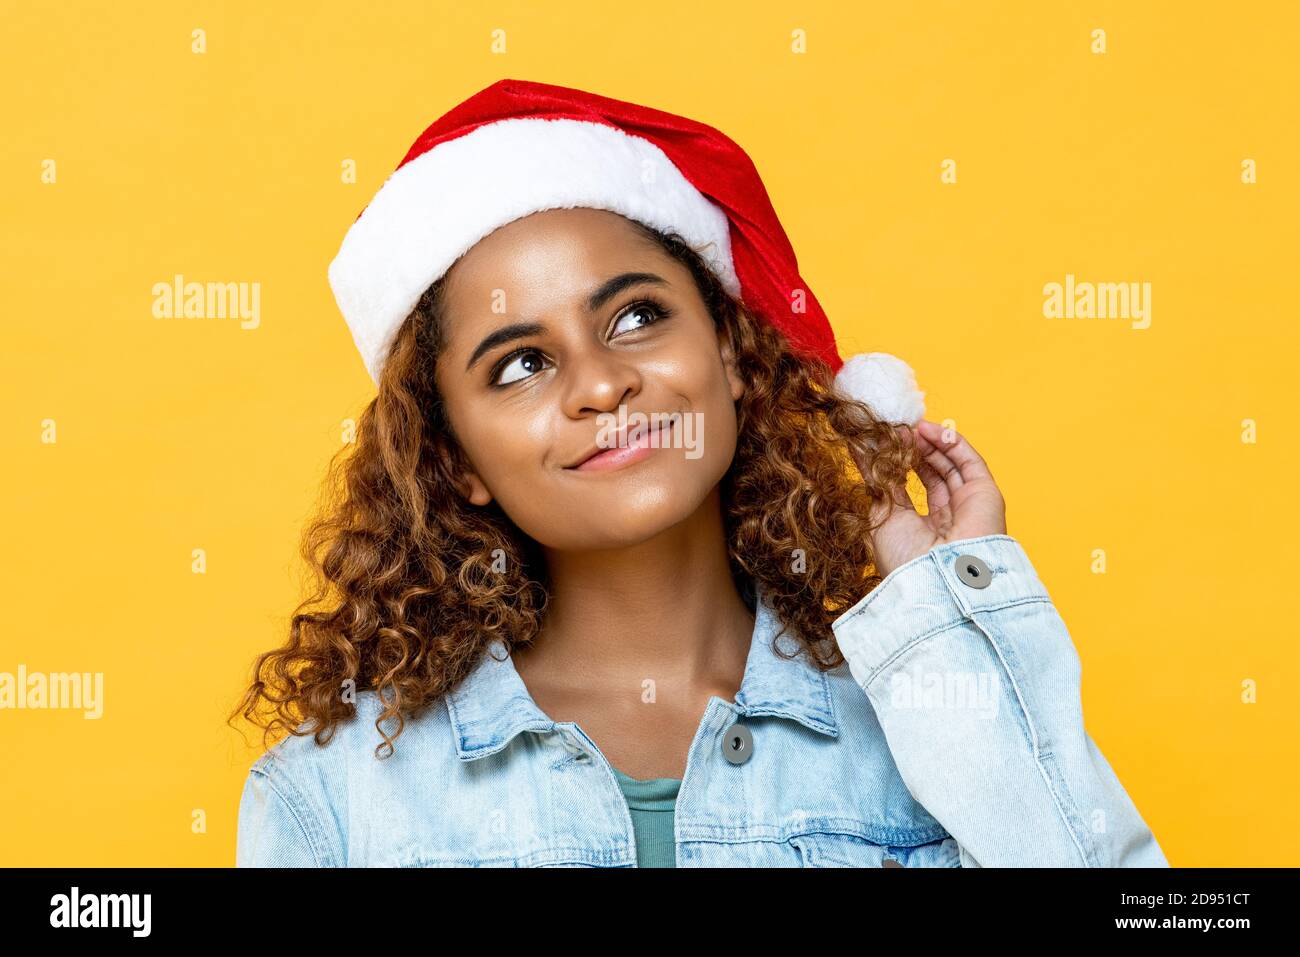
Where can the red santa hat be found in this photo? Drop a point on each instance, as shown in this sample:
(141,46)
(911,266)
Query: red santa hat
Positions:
(518,147)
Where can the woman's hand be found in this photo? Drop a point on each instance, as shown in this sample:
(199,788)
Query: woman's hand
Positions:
(962,498)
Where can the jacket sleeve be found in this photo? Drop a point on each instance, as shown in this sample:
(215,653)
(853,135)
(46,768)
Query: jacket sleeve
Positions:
(273,831)
(976,684)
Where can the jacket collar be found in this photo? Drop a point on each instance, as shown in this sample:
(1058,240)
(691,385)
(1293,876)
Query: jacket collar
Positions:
(492,704)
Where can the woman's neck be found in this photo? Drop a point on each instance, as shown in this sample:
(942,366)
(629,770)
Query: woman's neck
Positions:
(667,608)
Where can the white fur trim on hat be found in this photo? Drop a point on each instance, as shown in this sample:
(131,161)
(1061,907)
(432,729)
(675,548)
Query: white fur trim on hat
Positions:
(434,208)
(886,384)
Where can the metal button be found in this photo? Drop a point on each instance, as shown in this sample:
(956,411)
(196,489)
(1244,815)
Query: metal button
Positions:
(972,571)
(738,744)
(890,862)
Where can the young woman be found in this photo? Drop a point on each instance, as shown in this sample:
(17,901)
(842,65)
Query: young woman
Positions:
(619,573)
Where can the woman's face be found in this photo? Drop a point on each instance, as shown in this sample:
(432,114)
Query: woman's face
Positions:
(548,334)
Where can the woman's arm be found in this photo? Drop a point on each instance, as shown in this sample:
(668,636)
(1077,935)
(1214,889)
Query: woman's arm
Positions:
(273,831)
(978,692)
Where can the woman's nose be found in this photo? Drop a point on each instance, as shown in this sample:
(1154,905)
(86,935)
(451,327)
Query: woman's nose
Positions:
(599,380)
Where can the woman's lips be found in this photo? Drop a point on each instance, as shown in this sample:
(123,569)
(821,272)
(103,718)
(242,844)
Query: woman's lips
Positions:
(638,448)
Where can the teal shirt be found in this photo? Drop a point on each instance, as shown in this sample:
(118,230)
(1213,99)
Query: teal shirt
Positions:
(651,804)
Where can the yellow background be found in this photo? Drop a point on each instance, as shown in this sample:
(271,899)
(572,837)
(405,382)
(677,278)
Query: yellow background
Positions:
(225,166)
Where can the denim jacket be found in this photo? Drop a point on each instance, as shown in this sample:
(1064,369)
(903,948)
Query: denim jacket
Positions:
(952,737)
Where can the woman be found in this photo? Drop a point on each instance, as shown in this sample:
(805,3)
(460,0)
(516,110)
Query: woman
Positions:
(602,562)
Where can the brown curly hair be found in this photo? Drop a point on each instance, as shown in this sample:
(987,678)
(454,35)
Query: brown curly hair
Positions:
(407,594)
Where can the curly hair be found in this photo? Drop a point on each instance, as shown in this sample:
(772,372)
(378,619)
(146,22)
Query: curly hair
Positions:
(409,586)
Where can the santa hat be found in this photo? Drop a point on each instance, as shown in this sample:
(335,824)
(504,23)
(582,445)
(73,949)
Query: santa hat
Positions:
(518,147)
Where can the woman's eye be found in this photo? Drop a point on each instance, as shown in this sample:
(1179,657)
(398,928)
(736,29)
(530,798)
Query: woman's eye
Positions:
(526,362)
(648,311)
(519,366)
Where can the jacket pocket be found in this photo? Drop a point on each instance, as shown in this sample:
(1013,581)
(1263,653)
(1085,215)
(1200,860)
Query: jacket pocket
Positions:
(847,850)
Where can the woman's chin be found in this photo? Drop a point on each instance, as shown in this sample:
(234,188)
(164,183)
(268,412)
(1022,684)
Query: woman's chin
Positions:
(623,522)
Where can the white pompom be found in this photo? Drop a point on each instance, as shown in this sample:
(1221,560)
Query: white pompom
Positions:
(885,383)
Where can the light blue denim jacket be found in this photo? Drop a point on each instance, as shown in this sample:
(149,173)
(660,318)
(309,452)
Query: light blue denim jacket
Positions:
(953,737)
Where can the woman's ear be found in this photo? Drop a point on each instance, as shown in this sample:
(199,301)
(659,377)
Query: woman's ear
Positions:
(473,489)
(728,353)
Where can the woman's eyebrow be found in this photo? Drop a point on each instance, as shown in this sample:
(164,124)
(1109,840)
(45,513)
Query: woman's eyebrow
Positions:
(498,337)
(521,330)
(612,287)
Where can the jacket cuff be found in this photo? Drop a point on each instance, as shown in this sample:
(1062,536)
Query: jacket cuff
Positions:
(929,594)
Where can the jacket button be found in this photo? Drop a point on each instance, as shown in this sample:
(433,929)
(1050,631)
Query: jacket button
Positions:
(972,571)
(738,744)
(890,862)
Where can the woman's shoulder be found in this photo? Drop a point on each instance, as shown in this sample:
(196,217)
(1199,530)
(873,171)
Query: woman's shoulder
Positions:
(300,796)
(353,743)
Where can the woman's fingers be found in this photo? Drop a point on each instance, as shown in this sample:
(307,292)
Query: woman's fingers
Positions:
(938,500)
(962,499)
(938,466)
(882,510)
(938,495)
(946,469)
(954,449)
